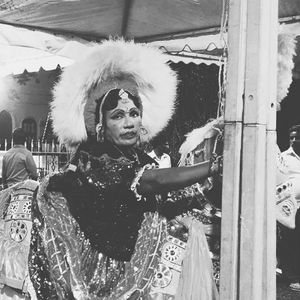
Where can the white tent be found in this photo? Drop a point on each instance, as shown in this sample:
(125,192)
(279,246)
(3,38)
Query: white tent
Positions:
(27,49)
(22,48)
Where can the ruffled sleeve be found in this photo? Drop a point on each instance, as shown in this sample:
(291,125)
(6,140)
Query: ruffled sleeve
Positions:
(136,180)
(56,247)
(102,198)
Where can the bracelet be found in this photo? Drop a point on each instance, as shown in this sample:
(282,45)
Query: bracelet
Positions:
(137,178)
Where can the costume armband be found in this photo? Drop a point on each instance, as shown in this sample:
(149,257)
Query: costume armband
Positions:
(136,180)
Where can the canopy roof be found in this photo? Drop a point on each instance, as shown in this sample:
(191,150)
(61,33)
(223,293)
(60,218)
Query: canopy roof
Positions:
(60,30)
(21,49)
(14,60)
(143,20)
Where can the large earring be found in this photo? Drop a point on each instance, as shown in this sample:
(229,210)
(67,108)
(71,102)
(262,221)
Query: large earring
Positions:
(100,133)
(143,130)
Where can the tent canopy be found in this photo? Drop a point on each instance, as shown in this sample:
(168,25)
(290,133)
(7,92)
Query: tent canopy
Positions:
(63,29)
(15,59)
(142,20)
(22,48)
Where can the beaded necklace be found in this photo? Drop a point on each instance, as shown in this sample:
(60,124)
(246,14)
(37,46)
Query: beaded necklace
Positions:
(134,157)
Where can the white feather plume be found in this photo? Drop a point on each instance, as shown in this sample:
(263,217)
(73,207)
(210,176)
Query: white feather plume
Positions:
(285,64)
(147,66)
(197,136)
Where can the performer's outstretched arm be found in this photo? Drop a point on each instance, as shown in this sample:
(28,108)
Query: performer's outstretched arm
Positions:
(168,179)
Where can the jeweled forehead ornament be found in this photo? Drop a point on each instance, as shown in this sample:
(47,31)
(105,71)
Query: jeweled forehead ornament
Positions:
(124,96)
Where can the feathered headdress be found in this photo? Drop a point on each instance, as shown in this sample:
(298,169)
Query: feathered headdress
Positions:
(285,65)
(137,68)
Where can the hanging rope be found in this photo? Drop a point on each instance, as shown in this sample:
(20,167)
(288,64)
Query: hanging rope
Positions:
(46,127)
(223,68)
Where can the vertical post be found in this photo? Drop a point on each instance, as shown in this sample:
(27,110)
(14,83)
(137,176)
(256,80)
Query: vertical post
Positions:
(258,182)
(248,218)
(269,255)
(232,150)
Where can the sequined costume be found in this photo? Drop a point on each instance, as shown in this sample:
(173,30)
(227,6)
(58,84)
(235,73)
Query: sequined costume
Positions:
(94,237)
(15,227)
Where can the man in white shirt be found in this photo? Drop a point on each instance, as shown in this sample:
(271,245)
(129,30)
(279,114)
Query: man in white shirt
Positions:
(289,244)
(160,156)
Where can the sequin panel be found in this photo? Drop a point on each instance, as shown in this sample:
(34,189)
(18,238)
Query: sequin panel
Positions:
(13,207)
(162,277)
(172,253)
(27,207)
(18,230)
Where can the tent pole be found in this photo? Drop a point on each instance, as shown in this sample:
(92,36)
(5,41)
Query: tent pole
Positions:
(232,150)
(248,231)
(269,255)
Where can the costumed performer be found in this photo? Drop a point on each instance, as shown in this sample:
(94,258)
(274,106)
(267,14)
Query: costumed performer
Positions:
(112,225)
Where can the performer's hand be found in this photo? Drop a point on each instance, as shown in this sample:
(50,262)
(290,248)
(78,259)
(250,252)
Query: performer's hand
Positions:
(216,165)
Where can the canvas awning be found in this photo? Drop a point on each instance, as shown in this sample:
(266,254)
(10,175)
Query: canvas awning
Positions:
(142,20)
(23,49)
(76,22)
(15,60)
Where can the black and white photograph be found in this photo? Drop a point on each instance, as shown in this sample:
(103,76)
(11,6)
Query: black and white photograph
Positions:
(149,149)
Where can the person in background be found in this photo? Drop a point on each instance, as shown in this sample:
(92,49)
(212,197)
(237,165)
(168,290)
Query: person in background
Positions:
(18,164)
(289,244)
(160,154)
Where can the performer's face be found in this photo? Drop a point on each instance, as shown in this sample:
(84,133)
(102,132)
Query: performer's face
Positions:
(123,123)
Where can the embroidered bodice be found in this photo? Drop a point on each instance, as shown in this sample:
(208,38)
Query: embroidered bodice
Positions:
(101,200)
